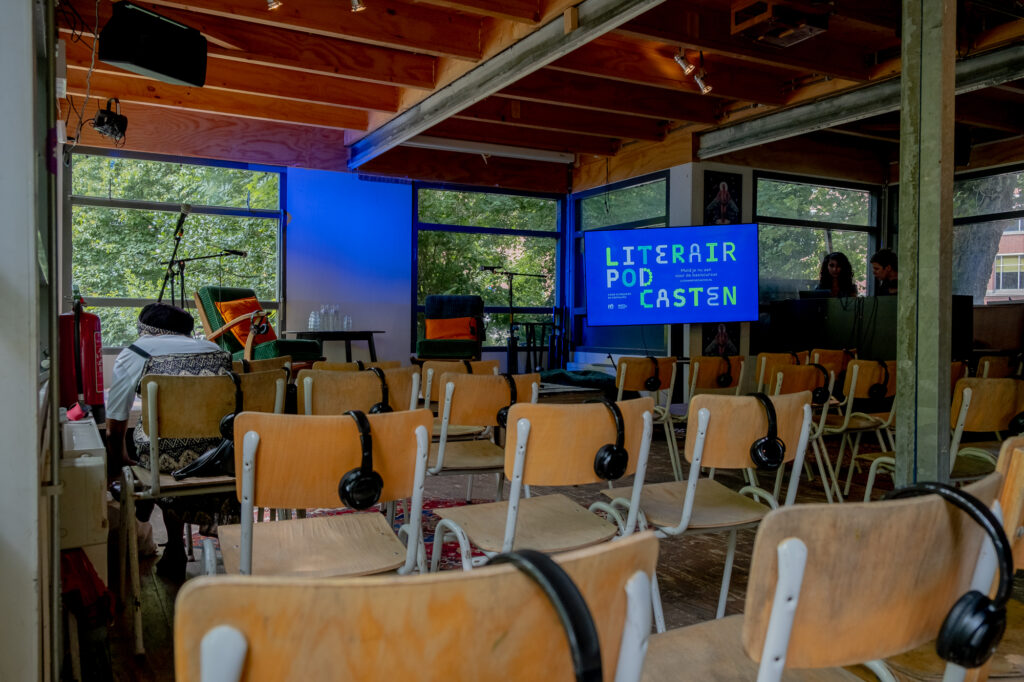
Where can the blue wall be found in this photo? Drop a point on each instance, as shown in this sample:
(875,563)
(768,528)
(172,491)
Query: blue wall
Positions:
(349,242)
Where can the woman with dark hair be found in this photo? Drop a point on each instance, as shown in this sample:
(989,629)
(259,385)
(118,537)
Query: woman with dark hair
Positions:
(836,275)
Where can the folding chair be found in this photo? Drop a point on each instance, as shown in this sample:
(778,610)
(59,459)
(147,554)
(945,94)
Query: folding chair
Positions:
(797,378)
(727,427)
(657,376)
(274,476)
(324,391)
(553,444)
(432,370)
(767,366)
(355,366)
(428,627)
(714,374)
(811,606)
(472,402)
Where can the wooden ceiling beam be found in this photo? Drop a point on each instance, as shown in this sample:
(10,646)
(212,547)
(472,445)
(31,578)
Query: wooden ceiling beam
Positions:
(522,11)
(709,31)
(651,63)
(494,133)
(260,80)
(92,14)
(983,112)
(153,93)
(520,114)
(210,136)
(470,169)
(597,94)
(1000,35)
(387,23)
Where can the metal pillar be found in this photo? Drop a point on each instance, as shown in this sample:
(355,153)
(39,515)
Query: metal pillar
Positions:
(925,238)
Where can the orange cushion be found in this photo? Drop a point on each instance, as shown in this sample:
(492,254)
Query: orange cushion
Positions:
(452,328)
(229,310)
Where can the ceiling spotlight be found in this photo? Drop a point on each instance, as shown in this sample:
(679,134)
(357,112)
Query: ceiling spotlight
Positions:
(358,6)
(705,88)
(273,4)
(685,65)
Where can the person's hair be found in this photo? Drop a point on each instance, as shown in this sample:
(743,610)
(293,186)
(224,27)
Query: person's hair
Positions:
(886,259)
(845,279)
(167,317)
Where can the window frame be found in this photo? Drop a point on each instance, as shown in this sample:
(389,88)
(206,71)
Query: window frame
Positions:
(70,201)
(997,273)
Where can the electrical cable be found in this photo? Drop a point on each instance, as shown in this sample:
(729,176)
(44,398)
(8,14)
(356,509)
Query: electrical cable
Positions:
(88,79)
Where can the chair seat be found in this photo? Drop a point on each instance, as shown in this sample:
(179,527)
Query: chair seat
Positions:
(470,454)
(983,448)
(447,349)
(311,547)
(713,652)
(549,523)
(969,468)
(170,487)
(858,422)
(301,350)
(457,431)
(715,506)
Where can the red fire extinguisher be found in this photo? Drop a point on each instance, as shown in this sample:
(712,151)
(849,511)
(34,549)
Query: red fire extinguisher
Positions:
(81,358)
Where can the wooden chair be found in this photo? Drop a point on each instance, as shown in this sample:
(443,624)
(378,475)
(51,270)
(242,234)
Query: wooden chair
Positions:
(726,426)
(834,360)
(994,366)
(797,378)
(330,446)
(355,366)
(471,402)
(330,392)
(705,370)
(552,444)
(634,373)
(812,607)
(767,366)
(270,629)
(433,369)
(181,407)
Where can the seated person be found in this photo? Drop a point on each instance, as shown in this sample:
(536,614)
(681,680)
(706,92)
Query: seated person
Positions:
(836,275)
(165,346)
(885,265)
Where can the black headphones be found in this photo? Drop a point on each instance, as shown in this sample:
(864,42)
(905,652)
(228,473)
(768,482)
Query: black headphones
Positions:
(820,395)
(513,396)
(469,366)
(768,453)
(796,358)
(975,624)
(653,382)
(572,609)
(611,459)
(360,366)
(1016,426)
(227,422)
(724,380)
(385,404)
(877,391)
(360,488)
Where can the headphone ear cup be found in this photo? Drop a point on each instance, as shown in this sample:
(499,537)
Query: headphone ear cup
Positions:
(820,395)
(876,391)
(502,417)
(360,489)
(652,383)
(767,454)
(971,631)
(380,408)
(227,427)
(611,461)
(723,380)
(1016,426)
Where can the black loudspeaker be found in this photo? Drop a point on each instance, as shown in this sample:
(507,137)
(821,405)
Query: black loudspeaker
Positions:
(469,366)
(768,453)
(361,487)
(572,609)
(611,459)
(973,627)
(878,391)
(385,401)
(146,43)
(724,380)
(820,395)
(653,382)
(513,396)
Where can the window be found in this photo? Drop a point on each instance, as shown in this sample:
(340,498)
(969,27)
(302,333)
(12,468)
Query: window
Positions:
(1014,227)
(460,231)
(639,205)
(123,217)
(801,221)
(1007,273)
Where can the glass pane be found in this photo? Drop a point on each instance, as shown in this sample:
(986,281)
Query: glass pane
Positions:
(120,178)
(799,201)
(790,258)
(118,325)
(449,263)
(483,209)
(123,252)
(626,205)
(994,194)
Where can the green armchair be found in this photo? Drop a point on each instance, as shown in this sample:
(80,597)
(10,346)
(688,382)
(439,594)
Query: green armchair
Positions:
(454,328)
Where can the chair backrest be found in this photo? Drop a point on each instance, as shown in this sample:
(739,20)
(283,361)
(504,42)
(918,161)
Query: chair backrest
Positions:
(737,421)
(207,299)
(186,406)
(767,366)
(277,616)
(564,439)
(831,359)
(329,392)
(796,378)
(476,398)
(452,313)
(869,372)
(1011,466)
(957,370)
(433,369)
(300,459)
(705,370)
(993,403)
(631,372)
(355,366)
(880,577)
(264,391)
(244,367)
(994,366)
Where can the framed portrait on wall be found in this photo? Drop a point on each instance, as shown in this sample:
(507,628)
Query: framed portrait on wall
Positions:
(723,193)
(722,338)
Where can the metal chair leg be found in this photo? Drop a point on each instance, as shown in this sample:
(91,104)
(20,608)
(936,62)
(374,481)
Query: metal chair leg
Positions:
(727,574)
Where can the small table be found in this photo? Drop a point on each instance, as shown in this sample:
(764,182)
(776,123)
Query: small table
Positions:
(338,335)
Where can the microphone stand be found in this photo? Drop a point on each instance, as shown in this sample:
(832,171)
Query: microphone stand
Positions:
(176,272)
(512,360)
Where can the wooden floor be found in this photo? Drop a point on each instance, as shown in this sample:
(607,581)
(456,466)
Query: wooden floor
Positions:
(689,572)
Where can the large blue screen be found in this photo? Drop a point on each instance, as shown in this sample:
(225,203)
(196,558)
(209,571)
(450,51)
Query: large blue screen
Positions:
(671,275)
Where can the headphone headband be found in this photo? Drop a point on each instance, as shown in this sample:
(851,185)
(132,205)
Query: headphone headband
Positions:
(513,395)
(238,391)
(365,439)
(620,422)
(469,366)
(770,414)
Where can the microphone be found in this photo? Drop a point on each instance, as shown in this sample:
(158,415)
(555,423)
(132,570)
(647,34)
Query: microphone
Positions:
(185,210)
(234,252)
(489,268)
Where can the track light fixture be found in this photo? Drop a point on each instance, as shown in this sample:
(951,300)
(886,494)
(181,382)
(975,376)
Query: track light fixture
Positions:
(705,88)
(684,64)
(358,6)
(273,4)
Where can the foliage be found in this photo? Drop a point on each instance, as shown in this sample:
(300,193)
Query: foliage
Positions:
(625,205)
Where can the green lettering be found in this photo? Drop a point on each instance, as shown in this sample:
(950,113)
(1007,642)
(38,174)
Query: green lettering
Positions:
(643,297)
(608,257)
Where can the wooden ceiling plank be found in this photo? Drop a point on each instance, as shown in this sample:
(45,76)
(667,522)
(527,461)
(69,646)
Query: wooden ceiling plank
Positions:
(1009,32)
(535,115)
(522,11)
(144,91)
(477,131)
(388,23)
(650,63)
(611,96)
(987,113)
(273,82)
(211,136)
(676,25)
(532,52)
